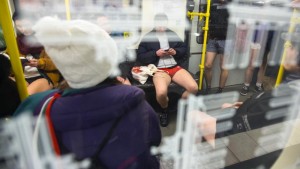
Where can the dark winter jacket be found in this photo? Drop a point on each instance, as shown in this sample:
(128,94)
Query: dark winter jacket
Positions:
(82,118)
(146,53)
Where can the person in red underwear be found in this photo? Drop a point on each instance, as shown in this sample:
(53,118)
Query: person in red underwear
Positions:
(163,48)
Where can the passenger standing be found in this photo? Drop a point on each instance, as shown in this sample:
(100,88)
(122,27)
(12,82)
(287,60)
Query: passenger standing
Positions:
(216,43)
(83,115)
(255,49)
(291,63)
(166,50)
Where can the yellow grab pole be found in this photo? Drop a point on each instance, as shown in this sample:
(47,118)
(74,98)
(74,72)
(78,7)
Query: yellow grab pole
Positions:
(205,28)
(68,12)
(286,45)
(202,64)
(12,48)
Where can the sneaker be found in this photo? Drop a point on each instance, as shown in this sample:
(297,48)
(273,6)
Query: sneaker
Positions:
(220,90)
(207,91)
(259,88)
(164,121)
(244,91)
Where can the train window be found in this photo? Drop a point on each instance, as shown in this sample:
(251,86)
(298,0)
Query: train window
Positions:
(96,122)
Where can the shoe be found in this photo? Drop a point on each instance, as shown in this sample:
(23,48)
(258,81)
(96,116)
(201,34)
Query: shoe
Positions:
(244,91)
(220,90)
(259,88)
(207,91)
(164,121)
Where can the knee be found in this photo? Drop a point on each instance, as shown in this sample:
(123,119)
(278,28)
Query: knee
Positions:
(161,95)
(250,68)
(223,69)
(192,88)
(208,66)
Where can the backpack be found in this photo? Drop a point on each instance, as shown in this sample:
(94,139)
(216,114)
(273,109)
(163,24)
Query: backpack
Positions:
(255,113)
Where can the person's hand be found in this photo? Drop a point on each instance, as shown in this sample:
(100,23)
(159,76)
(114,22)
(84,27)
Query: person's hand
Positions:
(33,63)
(161,53)
(291,56)
(295,4)
(172,51)
(290,62)
(234,105)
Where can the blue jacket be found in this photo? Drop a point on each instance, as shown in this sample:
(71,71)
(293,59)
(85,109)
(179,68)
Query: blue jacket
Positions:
(146,52)
(82,118)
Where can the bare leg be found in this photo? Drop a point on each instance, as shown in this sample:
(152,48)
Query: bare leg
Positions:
(250,69)
(161,81)
(122,80)
(210,57)
(39,85)
(224,73)
(184,79)
(261,73)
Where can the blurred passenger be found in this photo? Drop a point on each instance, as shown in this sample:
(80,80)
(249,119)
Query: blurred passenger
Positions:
(40,72)
(216,43)
(105,23)
(166,50)
(94,112)
(291,64)
(255,49)
(9,100)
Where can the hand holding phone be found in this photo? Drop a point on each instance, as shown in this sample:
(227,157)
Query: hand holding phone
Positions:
(24,61)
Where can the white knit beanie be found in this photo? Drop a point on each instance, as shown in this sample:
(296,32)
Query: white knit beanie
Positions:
(83,52)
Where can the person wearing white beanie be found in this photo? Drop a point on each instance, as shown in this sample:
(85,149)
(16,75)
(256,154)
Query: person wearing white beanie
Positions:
(82,116)
(84,53)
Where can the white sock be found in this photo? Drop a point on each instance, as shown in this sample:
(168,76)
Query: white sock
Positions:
(258,84)
(247,84)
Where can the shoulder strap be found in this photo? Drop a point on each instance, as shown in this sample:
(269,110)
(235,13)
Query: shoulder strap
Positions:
(50,124)
(94,158)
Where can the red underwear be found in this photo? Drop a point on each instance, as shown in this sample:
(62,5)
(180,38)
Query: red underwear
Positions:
(171,70)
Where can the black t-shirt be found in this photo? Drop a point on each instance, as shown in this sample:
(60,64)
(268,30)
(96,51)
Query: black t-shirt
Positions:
(218,21)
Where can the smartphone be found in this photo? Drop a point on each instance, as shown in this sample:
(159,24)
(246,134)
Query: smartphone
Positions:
(24,60)
(166,49)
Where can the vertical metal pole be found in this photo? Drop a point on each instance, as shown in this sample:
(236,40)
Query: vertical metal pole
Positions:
(202,64)
(12,48)
(68,12)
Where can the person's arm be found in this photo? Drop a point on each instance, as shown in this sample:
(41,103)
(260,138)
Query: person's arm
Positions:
(177,45)
(145,54)
(235,105)
(45,62)
(180,49)
(291,58)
